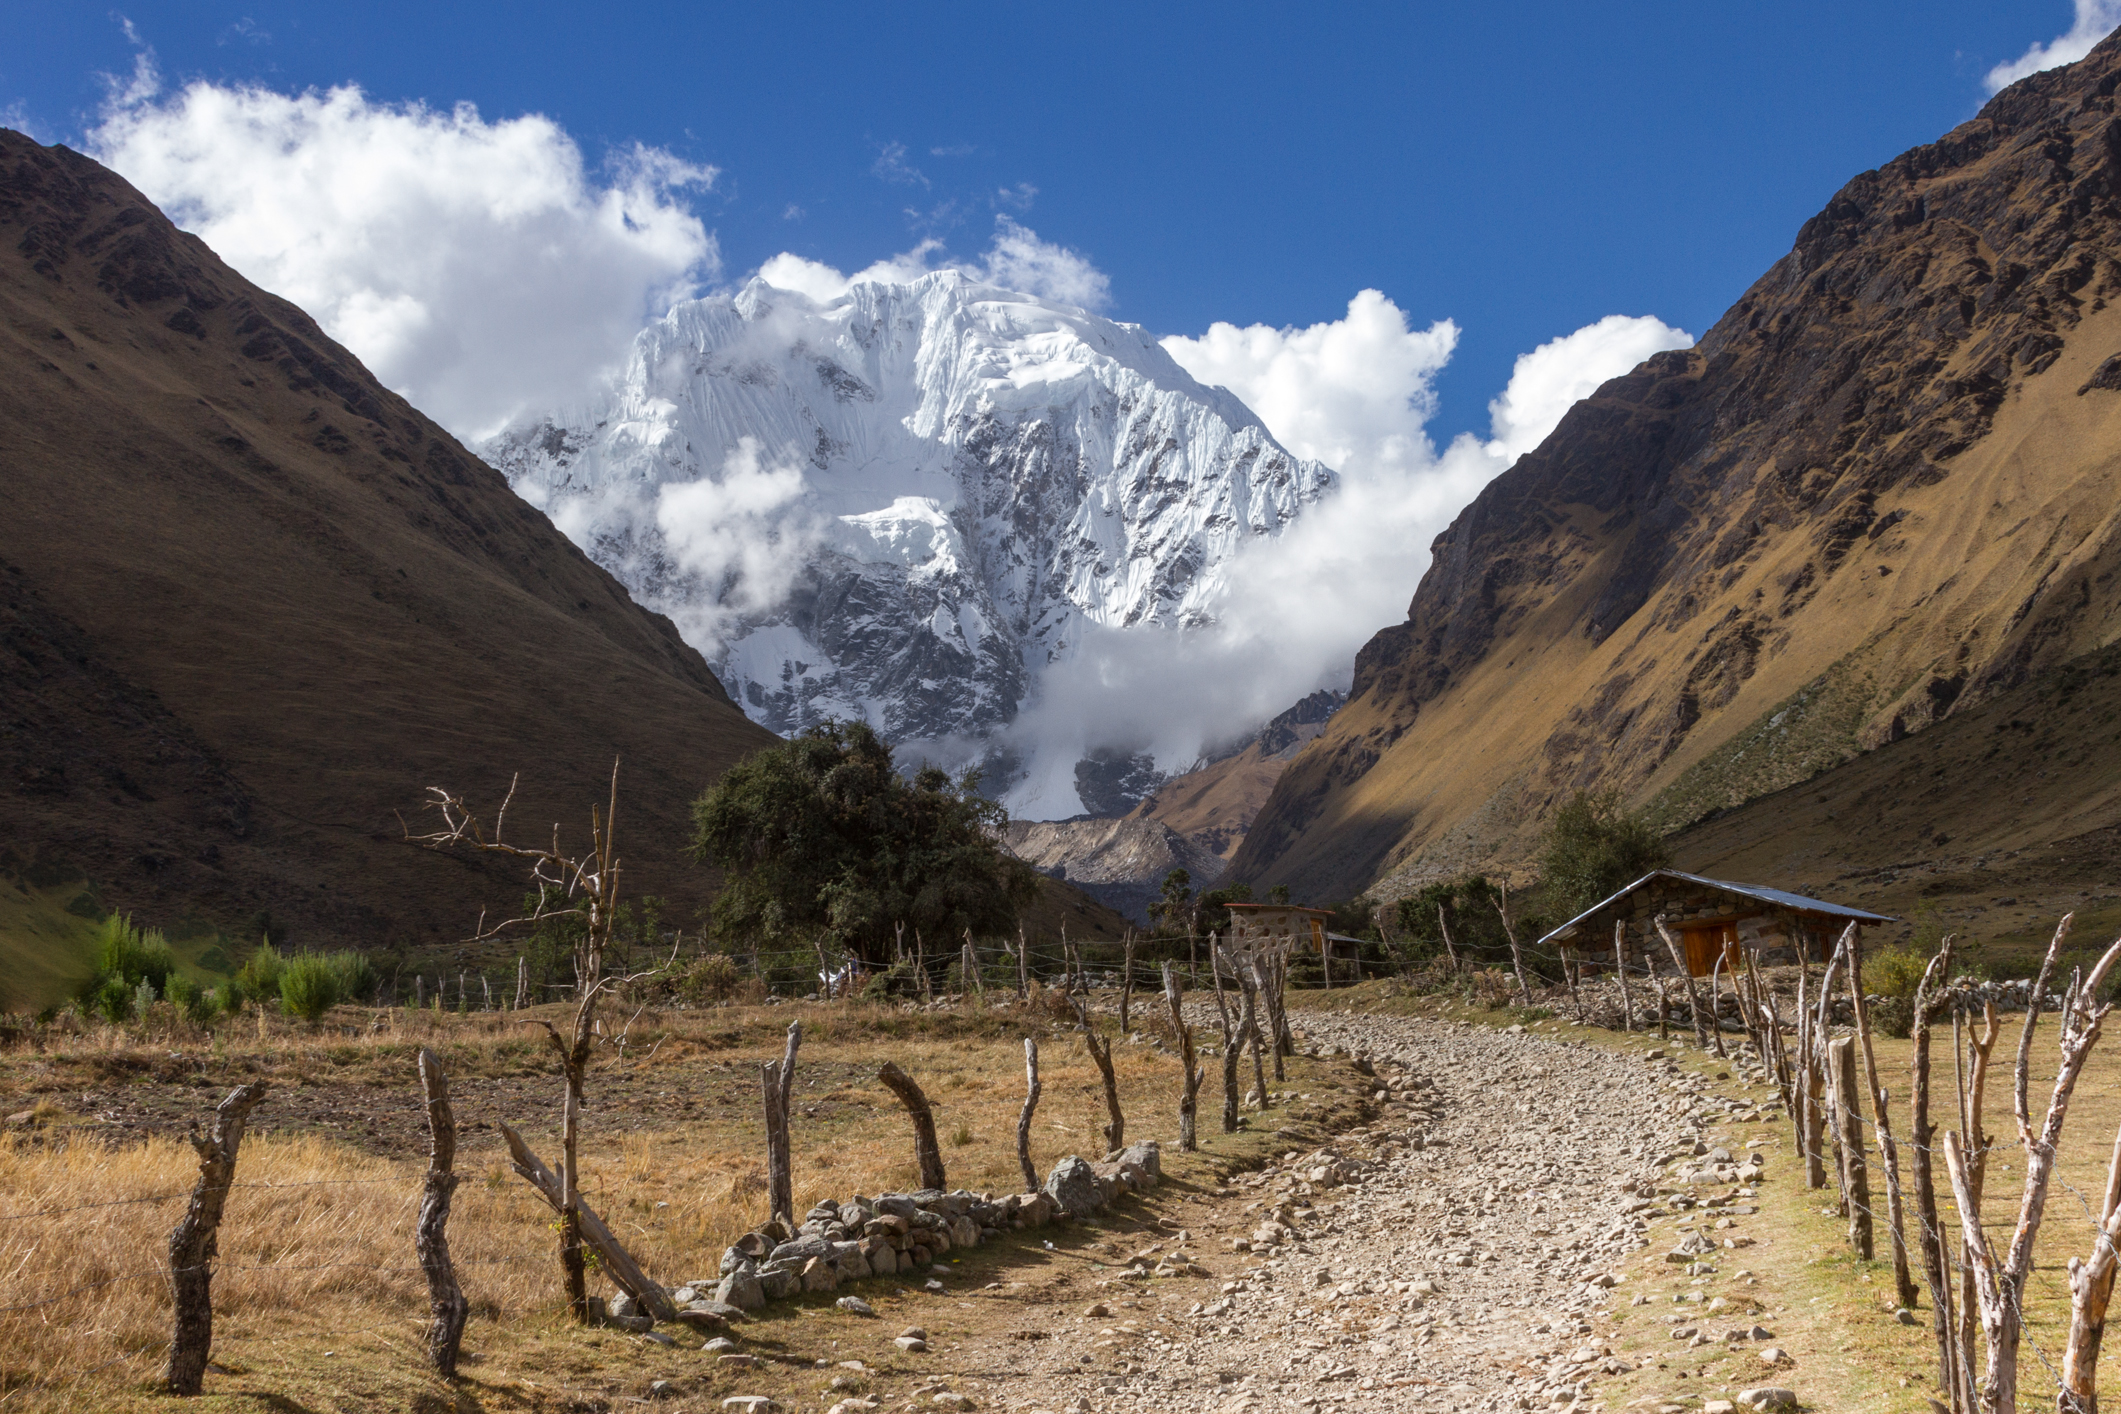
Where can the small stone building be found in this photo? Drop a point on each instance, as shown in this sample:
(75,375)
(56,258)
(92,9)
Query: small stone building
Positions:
(1279,920)
(1708,917)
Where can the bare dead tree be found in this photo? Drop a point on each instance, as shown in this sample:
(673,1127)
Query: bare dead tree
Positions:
(1693,996)
(1023,1119)
(1023,962)
(2000,1282)
(1443,926)
(196,1240)
(1189,1093)
(777,1091)
(1509,929)
(1888,1151)
(927,1154)
(445,1299)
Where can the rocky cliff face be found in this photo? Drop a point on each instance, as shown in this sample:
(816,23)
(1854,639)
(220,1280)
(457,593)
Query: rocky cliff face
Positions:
(906,504)
(1881,489)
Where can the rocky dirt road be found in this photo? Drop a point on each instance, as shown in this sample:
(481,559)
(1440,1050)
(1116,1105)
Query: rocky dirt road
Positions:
(1462,1253)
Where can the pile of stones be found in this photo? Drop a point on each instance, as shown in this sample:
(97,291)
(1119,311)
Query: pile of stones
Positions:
(895,1234)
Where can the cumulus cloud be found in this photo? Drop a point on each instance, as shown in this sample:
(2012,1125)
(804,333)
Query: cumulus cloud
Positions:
(1554,377)
(2094,20)
(1357,393)
(477,267)
(1017,260)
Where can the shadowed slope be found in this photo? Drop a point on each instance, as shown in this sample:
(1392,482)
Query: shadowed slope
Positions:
(251,602)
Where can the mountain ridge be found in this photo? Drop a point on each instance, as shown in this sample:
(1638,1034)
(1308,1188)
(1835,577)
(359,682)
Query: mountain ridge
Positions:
(1880,488)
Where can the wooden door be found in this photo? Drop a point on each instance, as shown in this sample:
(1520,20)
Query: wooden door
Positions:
(1703,941)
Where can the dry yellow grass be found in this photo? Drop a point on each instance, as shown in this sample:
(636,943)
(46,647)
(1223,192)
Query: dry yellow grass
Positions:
(316,1250)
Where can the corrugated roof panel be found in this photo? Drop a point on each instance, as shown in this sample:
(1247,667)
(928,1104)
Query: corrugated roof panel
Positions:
(1781,898)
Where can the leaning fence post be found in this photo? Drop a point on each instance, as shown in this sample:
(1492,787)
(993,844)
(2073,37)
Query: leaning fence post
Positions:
(1023,1120)
(1100,1051)
(1855,1181)
(926,1151)
(195,1241)
(445,1299)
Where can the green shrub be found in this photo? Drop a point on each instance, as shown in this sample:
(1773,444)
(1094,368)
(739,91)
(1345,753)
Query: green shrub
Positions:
(132,955)
(194,1003)
(1895,972)
(1594,847)
(260,974)
(713,978)
(356,975)
(309,985)
(112,1000)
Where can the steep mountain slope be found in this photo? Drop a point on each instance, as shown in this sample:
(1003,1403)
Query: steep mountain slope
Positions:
(1120,863)
(1215,804)
(906,503)
(1880,491)
(251,603)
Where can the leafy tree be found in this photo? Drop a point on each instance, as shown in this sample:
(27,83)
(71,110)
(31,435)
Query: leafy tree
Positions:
(824,840)
(1173,908)
(1594,847)
(1212,910)
(1278,894)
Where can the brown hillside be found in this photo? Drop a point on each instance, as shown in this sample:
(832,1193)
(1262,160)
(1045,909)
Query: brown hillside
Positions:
(251,602)
(1880,491)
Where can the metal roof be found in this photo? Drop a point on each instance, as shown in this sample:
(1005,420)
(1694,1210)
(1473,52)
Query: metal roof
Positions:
(1781,898)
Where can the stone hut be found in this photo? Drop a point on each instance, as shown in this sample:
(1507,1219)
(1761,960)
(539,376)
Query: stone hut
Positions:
(1280,920)
(1708,917)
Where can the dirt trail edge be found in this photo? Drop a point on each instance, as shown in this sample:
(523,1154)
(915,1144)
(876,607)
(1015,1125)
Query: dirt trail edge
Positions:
(1464,1252)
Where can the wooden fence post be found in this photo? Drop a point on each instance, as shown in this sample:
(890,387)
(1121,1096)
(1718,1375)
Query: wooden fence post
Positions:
(1126,984)
(1189,1095)
(1716,1004)
(1023,1120)
(195,1241)
(1936,1254)
(777,1082)
(1855,1176)
(1233,1038)
(1620,968)
(926,1152)
(445,1299)
(618,1263)
(1248,983)
(1023,963)
(1101,1052)
(1671,943)
(2091,1290)
(1888,1151)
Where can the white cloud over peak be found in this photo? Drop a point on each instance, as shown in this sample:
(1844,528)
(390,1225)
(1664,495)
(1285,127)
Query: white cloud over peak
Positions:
(477,267)
(1017,260)
(2093,21)
(1357,393)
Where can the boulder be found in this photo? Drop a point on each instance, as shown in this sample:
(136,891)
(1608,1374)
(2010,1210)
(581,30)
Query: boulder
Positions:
(741,1289)
(1145,1156)
(820,1275)
(1073,1188)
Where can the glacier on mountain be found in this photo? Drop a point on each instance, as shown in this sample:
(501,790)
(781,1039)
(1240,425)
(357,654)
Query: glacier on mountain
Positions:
(909,503)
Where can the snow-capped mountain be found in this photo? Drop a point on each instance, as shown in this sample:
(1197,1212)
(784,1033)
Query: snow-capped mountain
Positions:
(908,503)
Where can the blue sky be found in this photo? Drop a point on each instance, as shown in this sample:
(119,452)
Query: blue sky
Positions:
(1520,169)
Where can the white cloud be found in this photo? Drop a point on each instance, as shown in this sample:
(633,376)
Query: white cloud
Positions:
(891,166)
(1017,260)
(2094,20)
(1557,375)
(1356,393)
(477,267)
(743,535)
